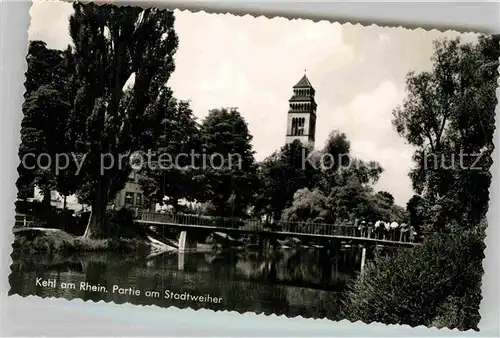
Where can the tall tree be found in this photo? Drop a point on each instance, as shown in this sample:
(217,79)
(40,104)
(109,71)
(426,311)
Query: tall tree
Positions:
(334,156)
(309,207)
(227,162)
(351,199)
(45,67)
(174,173)
(124,58)
(347,181)
(44,123)
(386,196)
(281,175)
(448,115)
(337,165)
(419,212)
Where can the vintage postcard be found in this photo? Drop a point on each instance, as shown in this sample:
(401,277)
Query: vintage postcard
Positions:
(247,164)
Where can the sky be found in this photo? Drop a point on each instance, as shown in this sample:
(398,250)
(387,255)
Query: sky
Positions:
(252,63)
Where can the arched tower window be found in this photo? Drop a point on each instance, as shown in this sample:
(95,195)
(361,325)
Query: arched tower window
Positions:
(294,126)
(301,124)
(298,126)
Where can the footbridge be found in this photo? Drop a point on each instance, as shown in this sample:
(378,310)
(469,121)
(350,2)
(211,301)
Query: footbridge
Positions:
(277,231)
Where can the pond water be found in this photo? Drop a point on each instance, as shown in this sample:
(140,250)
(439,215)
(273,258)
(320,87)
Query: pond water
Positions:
(306,282)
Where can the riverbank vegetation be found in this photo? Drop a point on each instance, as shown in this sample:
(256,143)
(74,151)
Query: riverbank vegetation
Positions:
(438,284)
(122,235)
(404,288)
(62,242)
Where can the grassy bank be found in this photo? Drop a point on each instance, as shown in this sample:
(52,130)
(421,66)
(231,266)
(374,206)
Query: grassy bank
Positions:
(62,242)
(122,235)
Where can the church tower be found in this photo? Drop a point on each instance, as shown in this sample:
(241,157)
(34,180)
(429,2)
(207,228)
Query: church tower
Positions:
(301,124)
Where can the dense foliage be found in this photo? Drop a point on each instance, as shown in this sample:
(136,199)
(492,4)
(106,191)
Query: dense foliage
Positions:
(171,172)
(45,120)
(122,67)
(449,111)
(281,175)
(300,185)
(436,284)
(229,175)
(104,98)
(448,116)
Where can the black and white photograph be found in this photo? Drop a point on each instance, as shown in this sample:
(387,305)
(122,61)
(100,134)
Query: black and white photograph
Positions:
(268,165)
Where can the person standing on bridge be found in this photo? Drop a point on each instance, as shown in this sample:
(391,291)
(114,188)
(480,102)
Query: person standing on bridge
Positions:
(357,228)
(413,233)
(369,230)
(362,229)
(377,227)
(381,230)
(394,226)
(385,230)
(403,233)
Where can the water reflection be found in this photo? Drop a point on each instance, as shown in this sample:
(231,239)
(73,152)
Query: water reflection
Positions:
(306,282)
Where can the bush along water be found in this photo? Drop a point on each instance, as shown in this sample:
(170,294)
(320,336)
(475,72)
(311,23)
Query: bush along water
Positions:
(436,284)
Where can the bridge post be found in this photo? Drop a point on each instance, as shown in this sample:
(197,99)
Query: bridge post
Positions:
(180,261)
(363,259)
(265,243)
(185,244)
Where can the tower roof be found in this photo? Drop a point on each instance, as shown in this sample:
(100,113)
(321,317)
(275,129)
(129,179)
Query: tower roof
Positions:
(304,82)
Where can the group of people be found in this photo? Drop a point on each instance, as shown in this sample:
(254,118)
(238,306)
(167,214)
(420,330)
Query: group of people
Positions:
(391,231)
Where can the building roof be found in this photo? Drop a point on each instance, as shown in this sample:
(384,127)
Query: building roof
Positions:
(304,82)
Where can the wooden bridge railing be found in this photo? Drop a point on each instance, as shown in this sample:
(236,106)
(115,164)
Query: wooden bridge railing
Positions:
(255,225)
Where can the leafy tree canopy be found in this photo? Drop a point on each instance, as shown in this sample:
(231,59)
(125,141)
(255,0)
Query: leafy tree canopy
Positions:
(448,115)
(227,165)
(123,58)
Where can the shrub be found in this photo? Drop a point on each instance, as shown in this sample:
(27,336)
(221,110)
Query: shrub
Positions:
(62,242)
(34,241)
(437,283)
